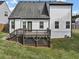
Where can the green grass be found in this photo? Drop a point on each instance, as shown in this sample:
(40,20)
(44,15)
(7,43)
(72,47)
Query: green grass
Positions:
(2,34)
(61,49)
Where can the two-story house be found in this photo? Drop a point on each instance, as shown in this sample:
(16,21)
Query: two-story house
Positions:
(4,14)
(40,19)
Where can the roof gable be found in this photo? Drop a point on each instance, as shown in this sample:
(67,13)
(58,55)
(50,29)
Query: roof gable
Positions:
(45,10)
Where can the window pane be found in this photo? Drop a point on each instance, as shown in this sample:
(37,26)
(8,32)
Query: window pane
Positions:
(6,13)
(56,25)
(67,24)
(41,24)
(13,24)
(24,25)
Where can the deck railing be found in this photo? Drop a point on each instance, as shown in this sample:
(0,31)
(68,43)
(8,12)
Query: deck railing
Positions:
(30,32)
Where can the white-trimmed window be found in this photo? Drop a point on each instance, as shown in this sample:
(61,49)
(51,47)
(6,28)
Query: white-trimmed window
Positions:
(67,24)
(56,24)
(24,24)
(5,13)
(13,24)
(41,24)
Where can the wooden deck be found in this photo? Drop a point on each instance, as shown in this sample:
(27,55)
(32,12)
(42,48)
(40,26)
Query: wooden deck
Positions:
(37,37)
(33,33)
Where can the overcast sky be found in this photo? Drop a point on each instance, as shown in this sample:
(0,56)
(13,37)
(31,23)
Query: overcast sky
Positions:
(12,4)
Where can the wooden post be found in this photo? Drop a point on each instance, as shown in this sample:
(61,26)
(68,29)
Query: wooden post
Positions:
(17,39)
(36,44)
(23,39)
(49,43)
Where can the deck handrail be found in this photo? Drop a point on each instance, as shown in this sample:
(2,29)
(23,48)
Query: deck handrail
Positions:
(23,31)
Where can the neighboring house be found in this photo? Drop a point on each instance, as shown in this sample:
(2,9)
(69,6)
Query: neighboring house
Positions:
(75,22)
(4,13)
(38,16)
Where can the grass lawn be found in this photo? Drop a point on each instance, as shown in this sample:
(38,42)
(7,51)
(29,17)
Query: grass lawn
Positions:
(61,49)
(2,34)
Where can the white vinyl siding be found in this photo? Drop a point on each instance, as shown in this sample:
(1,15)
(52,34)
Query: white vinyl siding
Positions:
(35,24)
(62,14)
(4,13)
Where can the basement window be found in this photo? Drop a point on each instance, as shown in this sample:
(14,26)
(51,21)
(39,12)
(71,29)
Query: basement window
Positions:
(67,24)
(56,24)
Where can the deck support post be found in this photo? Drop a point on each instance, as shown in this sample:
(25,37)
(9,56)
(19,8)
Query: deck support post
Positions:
(23,39)
(49,43)
(36,43)
(17,39)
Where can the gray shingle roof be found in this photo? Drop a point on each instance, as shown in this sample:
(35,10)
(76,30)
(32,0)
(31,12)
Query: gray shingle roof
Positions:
(29,10)
(32,9)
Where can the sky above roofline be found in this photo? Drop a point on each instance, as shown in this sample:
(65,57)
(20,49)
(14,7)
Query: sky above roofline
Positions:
(13,3)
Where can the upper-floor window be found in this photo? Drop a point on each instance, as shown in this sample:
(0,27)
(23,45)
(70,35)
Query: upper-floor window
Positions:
(67,24)
(24,24)
(13,24)
(6,13)
(56,24)
(41,25)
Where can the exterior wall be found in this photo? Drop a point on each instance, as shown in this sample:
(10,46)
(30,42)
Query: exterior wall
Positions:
(61,13)
(35,24)
(3,18)
(17,24)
